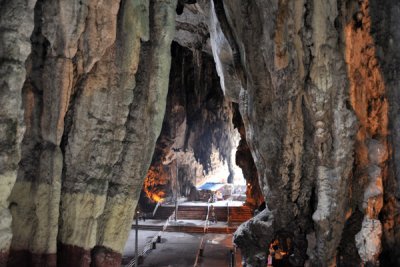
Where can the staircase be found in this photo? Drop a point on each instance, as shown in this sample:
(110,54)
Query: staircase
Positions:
(236,214)
(163,212)
(240,214)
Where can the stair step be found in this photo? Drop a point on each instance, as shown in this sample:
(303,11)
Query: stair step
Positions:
(188,229)
(236,214)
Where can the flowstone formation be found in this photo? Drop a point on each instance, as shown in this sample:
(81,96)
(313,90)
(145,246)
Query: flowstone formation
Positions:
(83,94)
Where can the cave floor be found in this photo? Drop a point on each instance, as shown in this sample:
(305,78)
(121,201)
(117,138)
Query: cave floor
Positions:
(181,249)
(187,226)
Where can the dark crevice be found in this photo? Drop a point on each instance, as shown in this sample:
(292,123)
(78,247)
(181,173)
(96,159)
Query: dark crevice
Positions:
(347,250)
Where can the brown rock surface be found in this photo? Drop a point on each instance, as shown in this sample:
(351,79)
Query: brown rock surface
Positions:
(302,131)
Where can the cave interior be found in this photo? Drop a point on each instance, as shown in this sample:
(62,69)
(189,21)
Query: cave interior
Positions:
(115,108)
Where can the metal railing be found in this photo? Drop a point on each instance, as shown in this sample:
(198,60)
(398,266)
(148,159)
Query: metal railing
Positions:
(202,242)
(149,246)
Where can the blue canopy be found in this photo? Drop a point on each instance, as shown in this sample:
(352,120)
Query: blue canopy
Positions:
(211,186)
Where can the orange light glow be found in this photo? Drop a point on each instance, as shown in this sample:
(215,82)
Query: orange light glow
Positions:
(155,182)
(157,198)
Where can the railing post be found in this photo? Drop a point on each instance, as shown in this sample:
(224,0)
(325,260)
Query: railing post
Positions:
(176,209)
(137,241)
(227,206)
(232,258)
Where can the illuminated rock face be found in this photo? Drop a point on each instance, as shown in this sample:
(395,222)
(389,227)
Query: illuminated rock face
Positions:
(16,20)
(83,93)
(94,99)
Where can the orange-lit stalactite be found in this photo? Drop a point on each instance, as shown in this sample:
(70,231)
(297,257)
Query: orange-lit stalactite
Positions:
(368,99)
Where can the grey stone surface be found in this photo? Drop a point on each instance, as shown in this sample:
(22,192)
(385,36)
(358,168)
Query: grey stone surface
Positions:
(16,25)
(88,118)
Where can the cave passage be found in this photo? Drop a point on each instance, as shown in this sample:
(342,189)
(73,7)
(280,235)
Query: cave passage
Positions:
(201,148)
(202,176)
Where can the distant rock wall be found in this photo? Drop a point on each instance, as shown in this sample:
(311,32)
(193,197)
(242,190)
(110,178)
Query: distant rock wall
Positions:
(198,138)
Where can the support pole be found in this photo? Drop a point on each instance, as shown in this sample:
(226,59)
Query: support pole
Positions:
(177,190)
(176,209)
(137,241)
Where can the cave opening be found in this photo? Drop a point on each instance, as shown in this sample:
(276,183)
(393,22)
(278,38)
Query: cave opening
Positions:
(202,177)
(201,154)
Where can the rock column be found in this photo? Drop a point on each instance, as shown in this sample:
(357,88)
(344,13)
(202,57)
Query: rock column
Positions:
(16,20)
(92,122)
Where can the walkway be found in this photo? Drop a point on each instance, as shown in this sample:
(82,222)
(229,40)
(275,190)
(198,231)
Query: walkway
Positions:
(180,250)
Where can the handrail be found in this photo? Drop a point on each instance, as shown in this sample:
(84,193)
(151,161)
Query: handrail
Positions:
(206,222)
(149,245)
(227,216)
(232,257)
(202,242)
(155,209)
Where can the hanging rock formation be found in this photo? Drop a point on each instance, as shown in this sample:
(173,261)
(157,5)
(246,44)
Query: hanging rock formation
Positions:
(83,95)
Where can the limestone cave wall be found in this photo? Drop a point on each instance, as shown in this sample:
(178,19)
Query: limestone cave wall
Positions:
(245,161)
(316,84)
(83,92)
(92,79)
(320,116)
